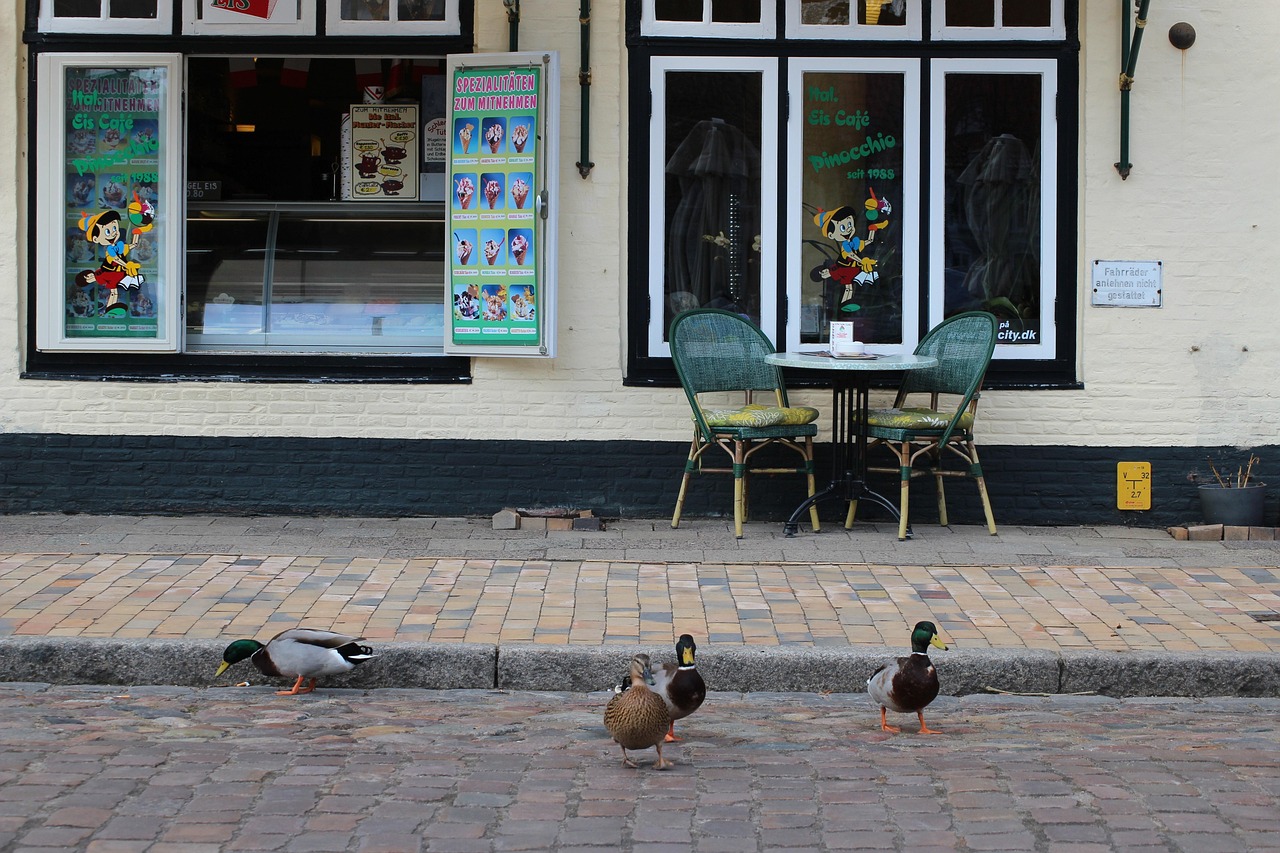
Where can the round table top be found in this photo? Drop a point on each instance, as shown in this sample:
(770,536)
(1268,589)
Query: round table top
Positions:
(819,361)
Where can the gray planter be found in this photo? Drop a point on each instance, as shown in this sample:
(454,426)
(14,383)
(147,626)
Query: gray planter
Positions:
(1240,506)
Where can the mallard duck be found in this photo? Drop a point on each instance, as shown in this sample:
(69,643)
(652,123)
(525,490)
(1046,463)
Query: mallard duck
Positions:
(911,683)
(307,653)
(637,717)
(680,685)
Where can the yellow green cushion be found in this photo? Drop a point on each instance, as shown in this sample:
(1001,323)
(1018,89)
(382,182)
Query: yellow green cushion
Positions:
(917,418)
(756,415)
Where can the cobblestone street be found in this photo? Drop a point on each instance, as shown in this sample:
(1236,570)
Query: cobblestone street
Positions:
(174,769)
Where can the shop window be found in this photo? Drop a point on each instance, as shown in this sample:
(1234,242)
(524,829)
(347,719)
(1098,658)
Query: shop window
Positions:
(989,20)
(913,187)
(392,17)
(106,16)
(713,238)
(249,17)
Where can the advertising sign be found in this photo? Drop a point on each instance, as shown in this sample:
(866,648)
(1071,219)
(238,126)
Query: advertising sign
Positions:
(384,152)
(501,165)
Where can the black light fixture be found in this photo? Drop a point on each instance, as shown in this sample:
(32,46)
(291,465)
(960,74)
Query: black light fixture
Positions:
(1182,35)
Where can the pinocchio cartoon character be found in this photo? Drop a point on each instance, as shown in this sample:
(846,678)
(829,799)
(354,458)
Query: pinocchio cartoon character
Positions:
(841,225)
(115,271)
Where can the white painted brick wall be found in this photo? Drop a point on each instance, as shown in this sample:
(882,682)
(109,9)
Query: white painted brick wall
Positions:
(1205,132)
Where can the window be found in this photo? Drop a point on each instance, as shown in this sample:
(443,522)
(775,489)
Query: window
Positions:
(894,181)
(249,17)
(106,16)
(708,18)
(392,17)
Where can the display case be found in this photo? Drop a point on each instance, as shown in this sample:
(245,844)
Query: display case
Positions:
(315,276)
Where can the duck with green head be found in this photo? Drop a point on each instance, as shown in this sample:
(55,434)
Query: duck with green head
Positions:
(908,684)
(680,685)
(302,653)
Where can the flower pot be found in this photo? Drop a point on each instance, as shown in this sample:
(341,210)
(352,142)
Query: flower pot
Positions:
(1239,507)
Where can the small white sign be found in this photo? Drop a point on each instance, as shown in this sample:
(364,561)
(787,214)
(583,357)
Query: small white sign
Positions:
(841,333)
(1127,284)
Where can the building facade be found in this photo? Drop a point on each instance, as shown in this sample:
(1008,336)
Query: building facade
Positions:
(225,294)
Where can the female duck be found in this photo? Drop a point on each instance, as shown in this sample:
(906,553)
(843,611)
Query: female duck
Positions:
(304,653)
(637,717)
(911,683)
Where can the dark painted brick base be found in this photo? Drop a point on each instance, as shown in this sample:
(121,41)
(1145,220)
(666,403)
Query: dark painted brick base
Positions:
(395,477)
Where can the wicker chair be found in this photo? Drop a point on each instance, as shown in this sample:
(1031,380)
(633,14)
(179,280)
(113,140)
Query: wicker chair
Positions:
(963,345)
(716,351)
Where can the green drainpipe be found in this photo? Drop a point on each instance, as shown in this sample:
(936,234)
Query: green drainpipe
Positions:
(1128,64)
(584,80)
(513,24)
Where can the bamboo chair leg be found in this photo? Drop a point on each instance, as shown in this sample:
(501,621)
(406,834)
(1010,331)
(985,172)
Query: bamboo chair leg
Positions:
(976,471)
(848,518)
(739,487)
(689,466)
(905,503)
(942,492)
(813,488)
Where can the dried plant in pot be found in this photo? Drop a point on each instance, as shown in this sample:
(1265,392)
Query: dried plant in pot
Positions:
(1233,499)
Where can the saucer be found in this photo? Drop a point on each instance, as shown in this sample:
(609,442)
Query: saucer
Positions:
(864,356)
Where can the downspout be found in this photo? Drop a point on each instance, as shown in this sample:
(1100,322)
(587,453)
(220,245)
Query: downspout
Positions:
(513,24)
(584,80)
(1128,64)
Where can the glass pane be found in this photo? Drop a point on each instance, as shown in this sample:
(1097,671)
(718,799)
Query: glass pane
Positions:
(133,9)
(971,13)
(882,12)
(712,154)
(115,165)
(420,10)
(366,10)
(852,201)
(735,11)
(677,10)
(77,8)
(992,201)
(825,12)
(350,274)
(226,265)
(1026,13)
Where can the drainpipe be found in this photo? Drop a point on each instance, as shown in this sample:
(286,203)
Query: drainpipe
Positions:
(513,24)
(584,80)
(1128,64)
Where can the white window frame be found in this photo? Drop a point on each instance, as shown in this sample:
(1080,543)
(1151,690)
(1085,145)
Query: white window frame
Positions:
(336,25)
(650,25)
(1047,69)
(51,208)
(910,69)
(659,67)
(910,31)
(161,24)
(1057,28)
(290,17)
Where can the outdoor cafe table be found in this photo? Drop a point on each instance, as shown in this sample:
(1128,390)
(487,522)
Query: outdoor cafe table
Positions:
(850,393)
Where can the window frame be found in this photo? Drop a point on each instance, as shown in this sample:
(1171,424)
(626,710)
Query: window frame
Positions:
(998,32)
(304,25)
(336,25)
(650,25)
(769,156)
(853,30)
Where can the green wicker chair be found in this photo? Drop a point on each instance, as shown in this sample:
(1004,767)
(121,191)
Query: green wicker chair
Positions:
(716,351)
(963,345)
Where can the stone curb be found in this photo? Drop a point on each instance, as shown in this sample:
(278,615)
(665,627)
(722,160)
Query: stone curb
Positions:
(584,669)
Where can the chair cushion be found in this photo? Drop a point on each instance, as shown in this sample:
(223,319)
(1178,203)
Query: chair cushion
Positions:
(917,419)
(756,415)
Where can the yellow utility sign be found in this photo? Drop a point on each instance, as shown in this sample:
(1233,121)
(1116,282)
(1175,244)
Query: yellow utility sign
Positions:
(1133,485)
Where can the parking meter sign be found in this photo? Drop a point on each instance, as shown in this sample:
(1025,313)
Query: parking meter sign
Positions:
(1133,485)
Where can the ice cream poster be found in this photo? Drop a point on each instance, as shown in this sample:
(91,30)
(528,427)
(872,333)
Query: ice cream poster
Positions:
(113,224)
(493,156)
(384,152)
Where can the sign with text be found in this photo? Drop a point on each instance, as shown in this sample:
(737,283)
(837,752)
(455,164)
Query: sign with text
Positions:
(1133,485)
(500,162)
(1127,284)
(384,152)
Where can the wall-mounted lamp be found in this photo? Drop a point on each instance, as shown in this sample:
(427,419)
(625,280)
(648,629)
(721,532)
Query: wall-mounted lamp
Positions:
(1182,35)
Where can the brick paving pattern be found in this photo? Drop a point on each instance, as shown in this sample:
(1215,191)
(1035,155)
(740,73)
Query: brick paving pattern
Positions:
(1054,608)
(171,770)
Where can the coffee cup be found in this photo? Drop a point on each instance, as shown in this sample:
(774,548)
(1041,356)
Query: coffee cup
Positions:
(850,348)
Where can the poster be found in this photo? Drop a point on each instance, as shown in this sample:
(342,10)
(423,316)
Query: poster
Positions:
(113,179)
(384,152)
(496,163)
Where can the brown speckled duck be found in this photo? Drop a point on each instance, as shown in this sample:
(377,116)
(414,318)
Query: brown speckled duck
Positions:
(637,717)
(680,685)
(909,684)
